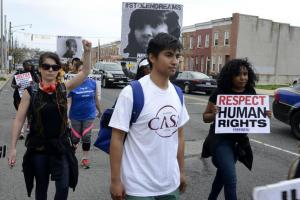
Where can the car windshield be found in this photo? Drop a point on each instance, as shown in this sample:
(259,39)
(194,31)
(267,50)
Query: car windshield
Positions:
(297,87)
(198,75)
(112,67)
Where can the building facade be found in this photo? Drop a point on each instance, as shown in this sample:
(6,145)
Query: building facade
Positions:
(107,52)
(271,47)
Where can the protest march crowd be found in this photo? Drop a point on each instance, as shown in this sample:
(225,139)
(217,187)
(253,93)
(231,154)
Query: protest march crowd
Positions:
(145,127)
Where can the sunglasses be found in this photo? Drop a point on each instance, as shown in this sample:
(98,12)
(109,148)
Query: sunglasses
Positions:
(55,67)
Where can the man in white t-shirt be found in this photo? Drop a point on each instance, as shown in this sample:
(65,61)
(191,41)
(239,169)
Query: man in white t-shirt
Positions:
(149,165)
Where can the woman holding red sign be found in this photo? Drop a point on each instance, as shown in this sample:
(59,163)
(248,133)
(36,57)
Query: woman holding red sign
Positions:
(236,78)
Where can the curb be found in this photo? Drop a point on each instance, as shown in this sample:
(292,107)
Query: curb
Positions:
(3,83)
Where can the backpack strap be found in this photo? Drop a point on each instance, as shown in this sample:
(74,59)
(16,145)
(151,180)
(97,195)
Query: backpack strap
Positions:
(138,100)
(179,92)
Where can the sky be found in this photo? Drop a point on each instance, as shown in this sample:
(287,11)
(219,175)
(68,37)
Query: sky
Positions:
(101,19)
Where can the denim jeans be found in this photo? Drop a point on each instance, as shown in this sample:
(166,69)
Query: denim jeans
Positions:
(41,167)
(224,158)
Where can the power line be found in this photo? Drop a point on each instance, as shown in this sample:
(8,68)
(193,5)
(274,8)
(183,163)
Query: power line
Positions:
(52,35)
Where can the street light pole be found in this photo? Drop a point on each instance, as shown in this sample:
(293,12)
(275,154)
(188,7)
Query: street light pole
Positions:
(1,18)
(11,42)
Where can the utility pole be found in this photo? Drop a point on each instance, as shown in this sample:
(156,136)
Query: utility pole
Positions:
(5,45)
(9,48)
(98,59)
(1,30)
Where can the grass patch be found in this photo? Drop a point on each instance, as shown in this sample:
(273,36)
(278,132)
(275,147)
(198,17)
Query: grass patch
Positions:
(270,87)
(2,78)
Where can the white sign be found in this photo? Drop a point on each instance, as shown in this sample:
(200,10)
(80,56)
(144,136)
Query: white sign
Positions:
(96,77)
(242,114)
(69,47)
(143,21)
(285,190)
(24,80)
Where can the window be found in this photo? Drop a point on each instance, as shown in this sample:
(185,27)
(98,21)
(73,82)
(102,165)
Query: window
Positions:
(185,61)
(196,59)
(207,40)
(199,43)
(183,42)
(220,63)
(207,69)
(191,42)
(202,64)
(216,39)
(191,63)
(213,63)
(182,75)
(199,75)
(226,38)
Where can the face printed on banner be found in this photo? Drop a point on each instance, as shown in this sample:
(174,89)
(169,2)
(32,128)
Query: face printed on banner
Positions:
(240,81)
(144,35)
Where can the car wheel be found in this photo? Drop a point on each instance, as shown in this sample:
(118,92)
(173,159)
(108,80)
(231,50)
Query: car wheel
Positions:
(186,88)
(295,124)
(104,83)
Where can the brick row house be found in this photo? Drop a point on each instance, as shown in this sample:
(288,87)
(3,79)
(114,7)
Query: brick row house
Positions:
(207,46)
(271,47)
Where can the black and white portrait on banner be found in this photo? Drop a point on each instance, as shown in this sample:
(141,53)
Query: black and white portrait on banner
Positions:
(69,46)
(142,21)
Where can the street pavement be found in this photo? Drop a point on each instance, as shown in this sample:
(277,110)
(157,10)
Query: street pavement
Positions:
(269,165)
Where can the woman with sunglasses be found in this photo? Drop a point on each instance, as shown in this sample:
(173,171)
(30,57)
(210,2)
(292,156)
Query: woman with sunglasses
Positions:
(48,147)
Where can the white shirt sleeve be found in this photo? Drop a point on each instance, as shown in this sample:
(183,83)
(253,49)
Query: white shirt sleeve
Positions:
(122,113)
(184,116)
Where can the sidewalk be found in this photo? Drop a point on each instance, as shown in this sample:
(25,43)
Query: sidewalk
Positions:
(265,92)
(7,76)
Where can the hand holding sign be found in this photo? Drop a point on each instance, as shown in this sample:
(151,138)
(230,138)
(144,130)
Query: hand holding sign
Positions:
(243,114)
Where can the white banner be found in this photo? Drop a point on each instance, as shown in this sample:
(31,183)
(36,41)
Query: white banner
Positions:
(285,190)
(242,114)
(69,47)
(143,21)
(24,80)
(96,77)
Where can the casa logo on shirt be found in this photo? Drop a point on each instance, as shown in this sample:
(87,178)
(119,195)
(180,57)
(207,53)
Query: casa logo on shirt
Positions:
(165,123)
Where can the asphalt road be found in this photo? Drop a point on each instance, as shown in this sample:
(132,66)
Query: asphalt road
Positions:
(272,155)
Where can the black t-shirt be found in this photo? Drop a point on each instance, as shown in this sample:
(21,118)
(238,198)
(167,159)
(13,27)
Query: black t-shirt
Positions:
(48,113)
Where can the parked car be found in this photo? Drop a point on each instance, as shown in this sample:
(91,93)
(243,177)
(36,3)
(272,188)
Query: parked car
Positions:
(112,74)
(190,81)
(286,107)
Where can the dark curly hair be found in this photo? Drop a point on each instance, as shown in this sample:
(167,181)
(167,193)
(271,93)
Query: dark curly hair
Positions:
(232,69)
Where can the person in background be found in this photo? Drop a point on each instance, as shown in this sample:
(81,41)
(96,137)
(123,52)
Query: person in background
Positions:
(83,102)
(71,47)
(143,69)
(49,151)
(27,67)
(236,78)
